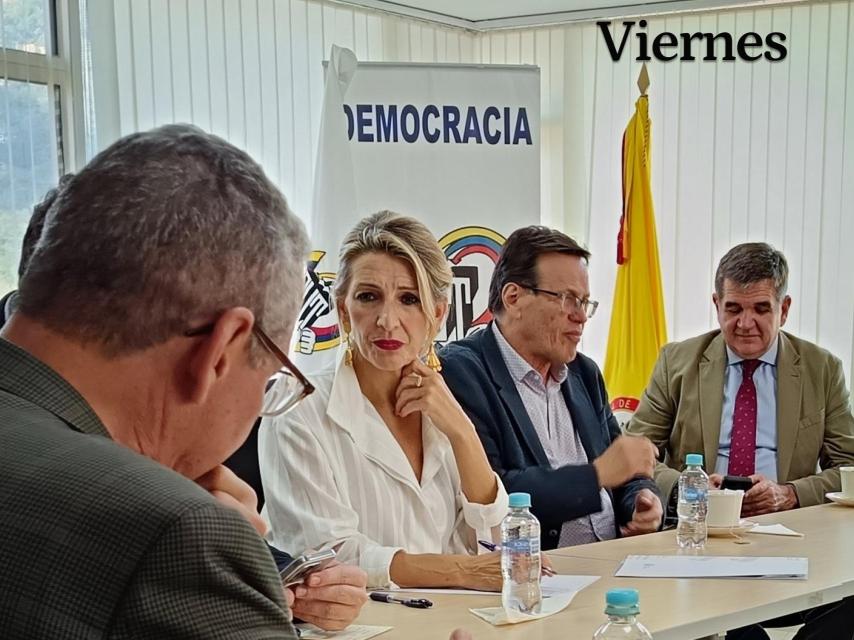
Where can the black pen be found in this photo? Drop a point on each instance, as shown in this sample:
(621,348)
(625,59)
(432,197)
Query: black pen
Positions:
(415,603)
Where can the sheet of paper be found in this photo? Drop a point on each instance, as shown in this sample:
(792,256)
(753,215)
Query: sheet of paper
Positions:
(550,585)
(775,530)
(498,616)
(353,632)
(713,567)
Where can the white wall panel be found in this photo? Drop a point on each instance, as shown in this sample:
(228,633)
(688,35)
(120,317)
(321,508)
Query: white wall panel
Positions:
(160,49)
(249,70)
(741,151)
(845,305)
(218,79)
(179,39)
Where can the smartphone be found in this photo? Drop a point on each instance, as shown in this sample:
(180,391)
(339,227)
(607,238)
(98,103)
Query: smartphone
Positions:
(737,482)
(301,566)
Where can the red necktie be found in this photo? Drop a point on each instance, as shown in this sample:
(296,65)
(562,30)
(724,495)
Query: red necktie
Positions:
(742,448)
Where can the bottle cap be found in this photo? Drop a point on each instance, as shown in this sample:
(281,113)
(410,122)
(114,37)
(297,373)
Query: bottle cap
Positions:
(622,602)
(694,458)
(518,500)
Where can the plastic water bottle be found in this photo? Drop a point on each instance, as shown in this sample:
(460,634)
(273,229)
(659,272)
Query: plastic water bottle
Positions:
(693,504)
(520,557)
(621,607)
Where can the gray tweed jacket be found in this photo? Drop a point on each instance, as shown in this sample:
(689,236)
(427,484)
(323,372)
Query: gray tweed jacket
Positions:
(97,541)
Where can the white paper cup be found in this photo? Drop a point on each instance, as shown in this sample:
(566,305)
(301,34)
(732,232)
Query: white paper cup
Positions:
(847,476)
(724,507)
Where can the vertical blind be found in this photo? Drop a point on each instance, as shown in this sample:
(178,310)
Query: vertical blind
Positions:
(741,151)
(250,71)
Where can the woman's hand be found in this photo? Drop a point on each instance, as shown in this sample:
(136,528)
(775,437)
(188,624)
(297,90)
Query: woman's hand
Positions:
(422,389)
(447,571)
(482,572)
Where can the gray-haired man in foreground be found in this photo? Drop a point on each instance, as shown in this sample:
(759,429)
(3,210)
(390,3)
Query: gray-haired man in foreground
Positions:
(167,272)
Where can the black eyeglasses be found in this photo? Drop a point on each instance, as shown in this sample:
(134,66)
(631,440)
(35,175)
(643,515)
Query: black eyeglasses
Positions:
(286,388)
(570,302)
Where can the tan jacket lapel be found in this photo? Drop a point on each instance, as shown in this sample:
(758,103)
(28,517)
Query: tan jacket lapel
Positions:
(788,404)
(712,365)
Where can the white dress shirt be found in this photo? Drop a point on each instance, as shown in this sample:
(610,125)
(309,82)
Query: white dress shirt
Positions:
(333,471)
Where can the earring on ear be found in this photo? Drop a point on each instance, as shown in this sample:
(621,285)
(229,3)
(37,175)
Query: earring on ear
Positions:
(348,351)
(432,359)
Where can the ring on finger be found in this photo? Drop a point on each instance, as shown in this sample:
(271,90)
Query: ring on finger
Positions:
(418,379)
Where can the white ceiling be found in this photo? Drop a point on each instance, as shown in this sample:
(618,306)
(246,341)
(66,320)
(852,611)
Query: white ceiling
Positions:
(502,14)
(491,9)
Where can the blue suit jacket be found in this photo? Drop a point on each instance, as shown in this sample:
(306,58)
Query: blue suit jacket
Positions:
(477,376)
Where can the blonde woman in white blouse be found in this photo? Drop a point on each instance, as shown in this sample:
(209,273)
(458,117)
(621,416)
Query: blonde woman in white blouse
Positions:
(381,456)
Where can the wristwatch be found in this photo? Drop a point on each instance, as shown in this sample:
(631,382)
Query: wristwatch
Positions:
(671,515)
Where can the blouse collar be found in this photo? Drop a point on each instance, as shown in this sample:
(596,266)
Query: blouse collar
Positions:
(352,412)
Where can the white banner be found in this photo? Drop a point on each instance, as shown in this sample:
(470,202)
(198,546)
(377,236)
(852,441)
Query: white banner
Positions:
(456,146)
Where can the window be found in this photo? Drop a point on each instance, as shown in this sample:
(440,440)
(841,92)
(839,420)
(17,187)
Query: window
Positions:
(24,25)
(34,105)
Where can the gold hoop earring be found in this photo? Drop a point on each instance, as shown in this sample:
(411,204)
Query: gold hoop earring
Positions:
(432,359)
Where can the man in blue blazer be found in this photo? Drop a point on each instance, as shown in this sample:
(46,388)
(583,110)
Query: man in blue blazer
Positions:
(540,407)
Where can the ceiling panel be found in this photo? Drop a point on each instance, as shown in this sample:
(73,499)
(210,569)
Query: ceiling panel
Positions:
(502,14)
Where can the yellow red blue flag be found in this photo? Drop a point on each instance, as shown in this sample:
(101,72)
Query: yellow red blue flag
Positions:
(638,328)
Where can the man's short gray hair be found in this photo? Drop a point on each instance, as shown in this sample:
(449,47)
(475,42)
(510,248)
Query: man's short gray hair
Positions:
(159,233)
(752,262)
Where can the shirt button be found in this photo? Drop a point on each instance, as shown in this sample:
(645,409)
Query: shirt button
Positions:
(553,533)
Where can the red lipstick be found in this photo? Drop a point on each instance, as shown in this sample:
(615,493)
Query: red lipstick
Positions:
(388,345)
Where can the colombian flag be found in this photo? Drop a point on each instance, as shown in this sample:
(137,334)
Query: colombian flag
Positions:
(638,328)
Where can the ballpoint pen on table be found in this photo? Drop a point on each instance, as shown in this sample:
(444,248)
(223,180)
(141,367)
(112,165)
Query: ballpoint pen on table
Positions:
(415,603)
(491,546)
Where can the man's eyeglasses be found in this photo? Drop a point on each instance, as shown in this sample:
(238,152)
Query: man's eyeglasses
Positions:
(286,388)
(570,302)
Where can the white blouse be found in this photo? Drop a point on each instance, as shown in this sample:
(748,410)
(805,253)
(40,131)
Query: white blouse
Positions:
(332,471)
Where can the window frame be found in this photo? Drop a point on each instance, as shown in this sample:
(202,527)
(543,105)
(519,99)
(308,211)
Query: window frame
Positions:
(61,67)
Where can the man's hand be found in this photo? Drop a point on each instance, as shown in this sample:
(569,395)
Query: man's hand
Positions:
(767,496)
(647,515)
(715,481)
(460,634)
(626,458)
(222,483)
(331,598)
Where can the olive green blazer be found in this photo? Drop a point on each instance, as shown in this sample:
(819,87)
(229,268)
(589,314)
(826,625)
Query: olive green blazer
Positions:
(680,411)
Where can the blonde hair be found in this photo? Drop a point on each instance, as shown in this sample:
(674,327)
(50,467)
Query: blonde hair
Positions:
(402,237)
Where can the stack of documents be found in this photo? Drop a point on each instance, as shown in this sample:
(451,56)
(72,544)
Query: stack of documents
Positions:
(713,567)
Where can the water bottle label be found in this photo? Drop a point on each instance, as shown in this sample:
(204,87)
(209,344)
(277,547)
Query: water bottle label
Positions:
(693,494)
(523,545)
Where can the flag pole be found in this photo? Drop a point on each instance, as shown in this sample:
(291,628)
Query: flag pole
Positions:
(643,80)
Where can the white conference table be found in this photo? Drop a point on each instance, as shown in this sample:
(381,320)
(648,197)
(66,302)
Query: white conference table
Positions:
(672,609)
